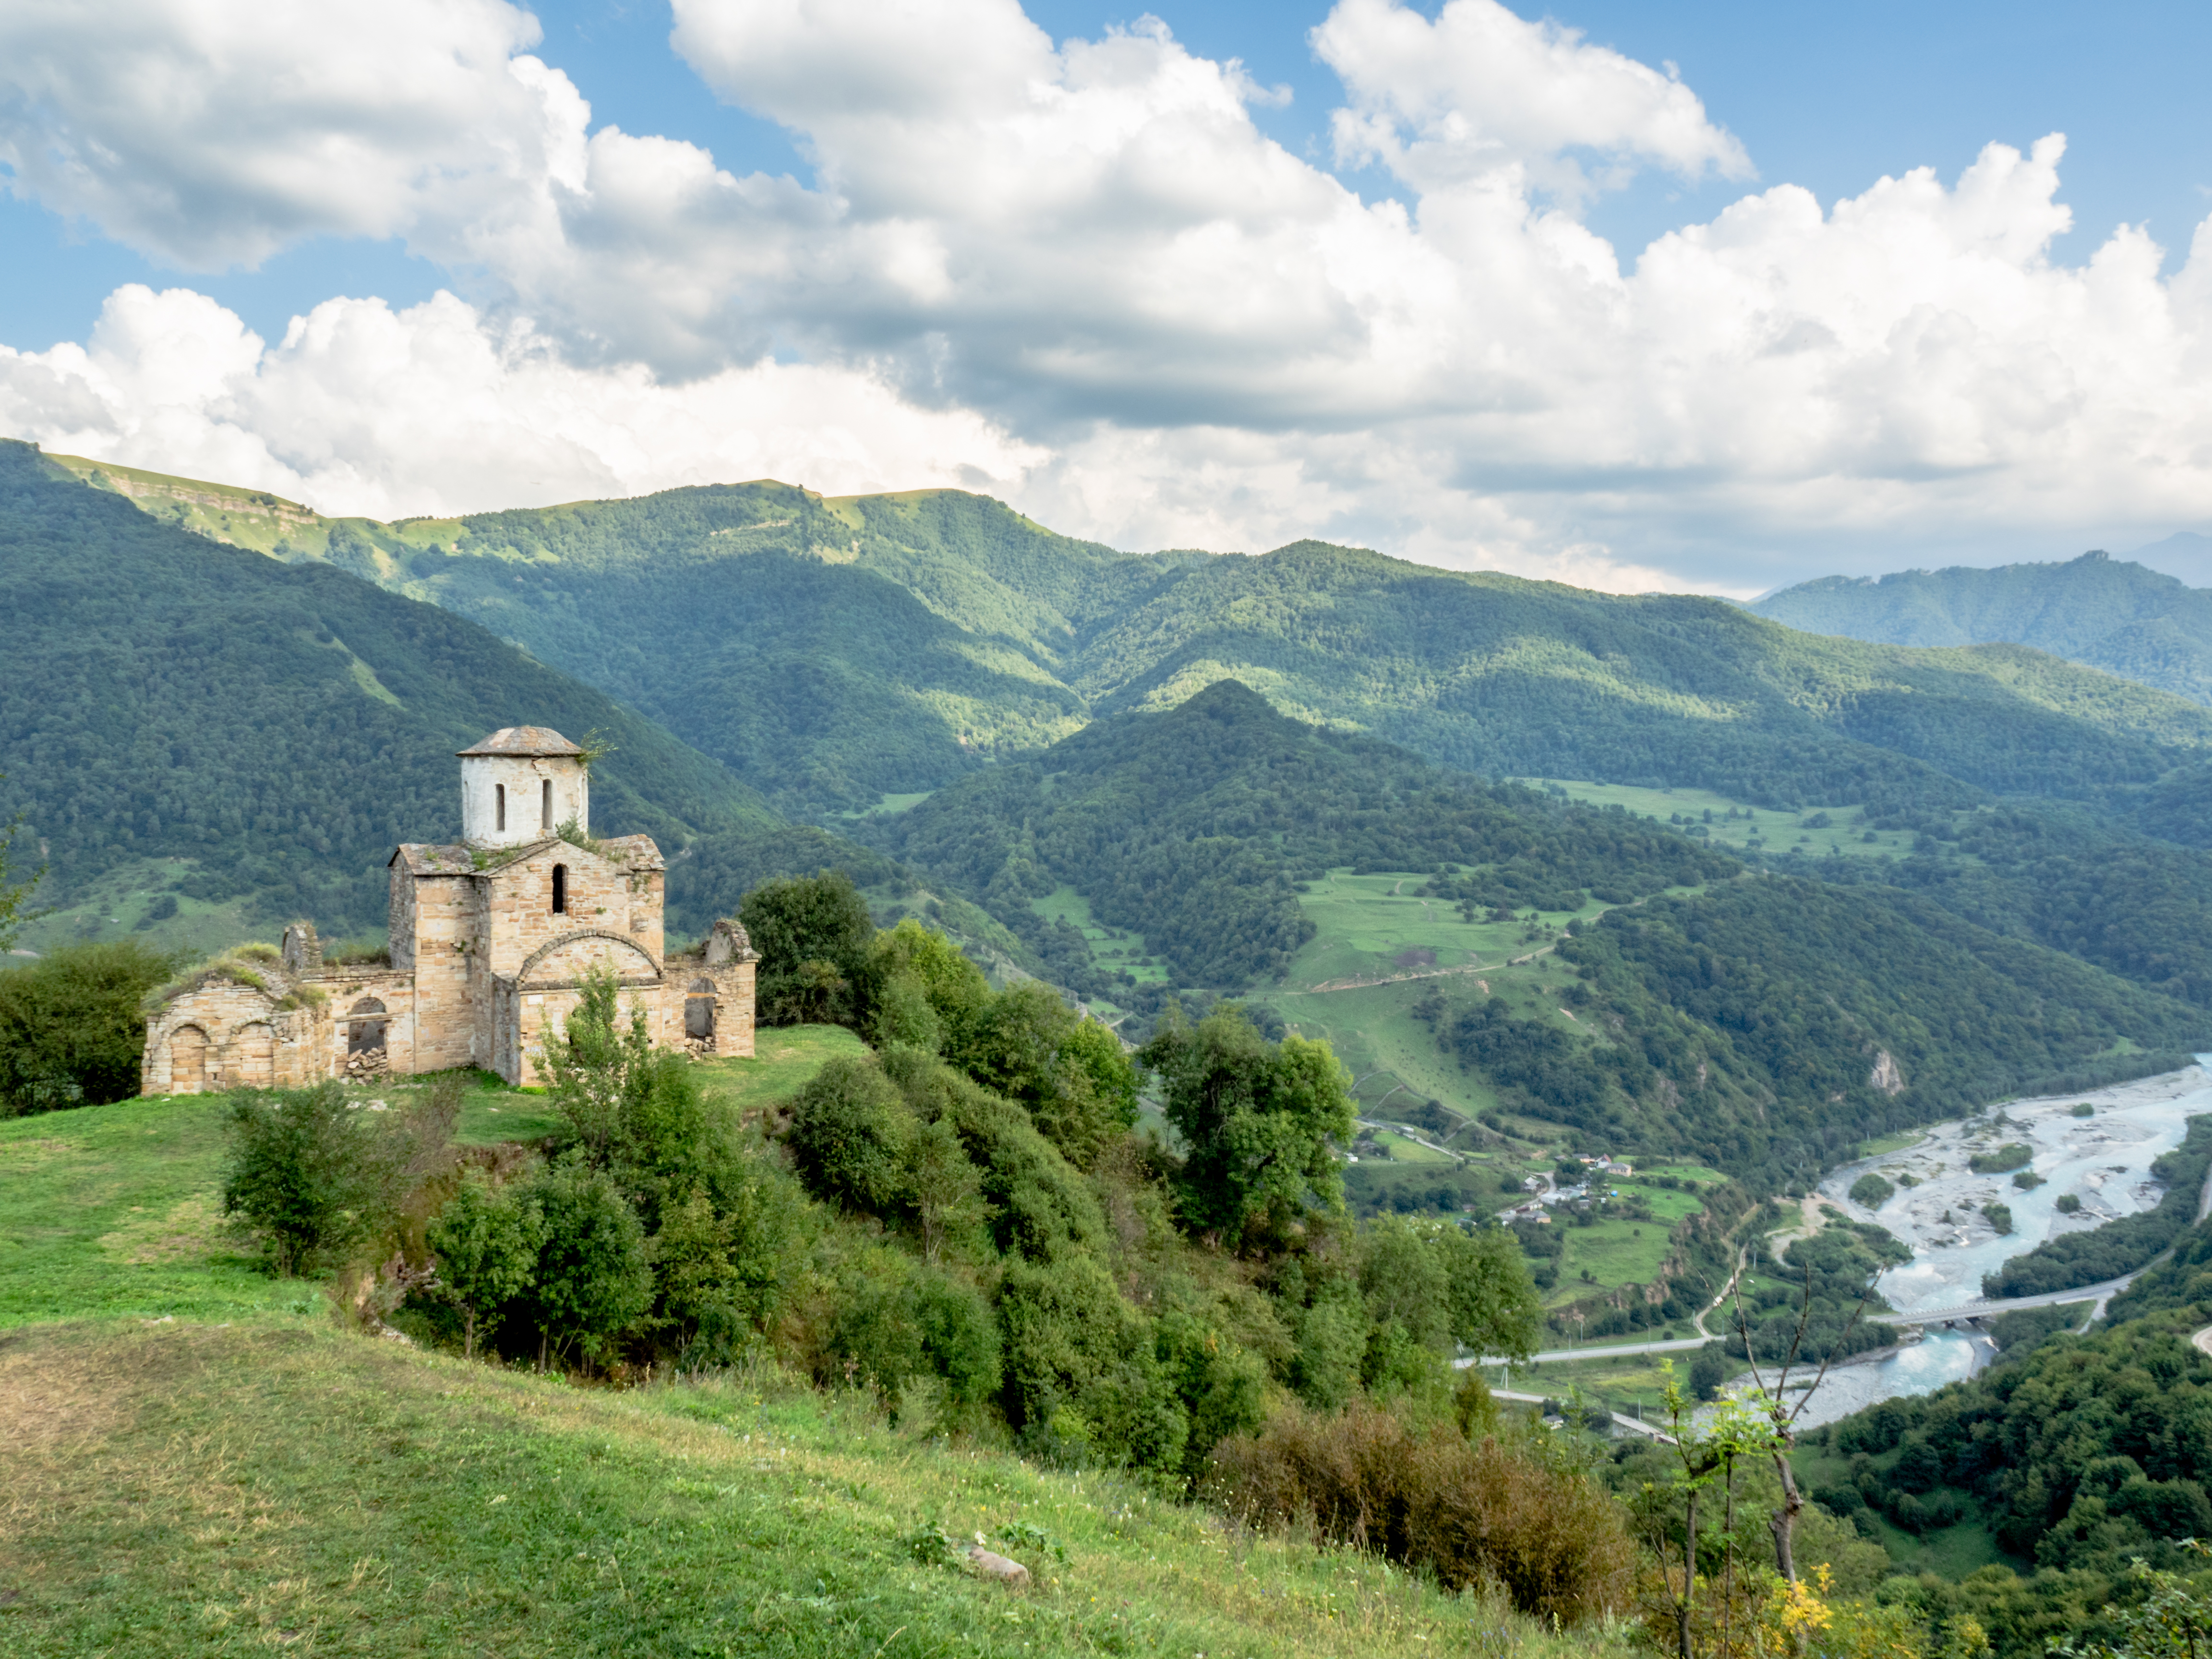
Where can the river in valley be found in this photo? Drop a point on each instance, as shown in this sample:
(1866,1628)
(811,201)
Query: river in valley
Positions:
(2102,1160)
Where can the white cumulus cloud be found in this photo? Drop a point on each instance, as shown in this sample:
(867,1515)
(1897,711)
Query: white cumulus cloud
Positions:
(1078,274)
(363,410)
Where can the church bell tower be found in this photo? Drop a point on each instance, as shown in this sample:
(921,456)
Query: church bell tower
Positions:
(520,785)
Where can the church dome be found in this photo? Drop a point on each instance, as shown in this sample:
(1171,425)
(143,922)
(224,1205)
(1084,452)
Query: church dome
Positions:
(517,742)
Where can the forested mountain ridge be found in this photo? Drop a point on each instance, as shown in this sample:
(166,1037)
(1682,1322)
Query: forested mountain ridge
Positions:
(835,650)
(1499,674)
(831,652)
(2109,613)
(1743,1024)
(1192,826)
(270,730)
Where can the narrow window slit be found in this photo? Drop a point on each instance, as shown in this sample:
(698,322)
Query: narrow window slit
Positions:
(559,890)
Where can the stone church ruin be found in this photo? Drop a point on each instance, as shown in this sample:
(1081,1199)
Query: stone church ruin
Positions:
(490,939)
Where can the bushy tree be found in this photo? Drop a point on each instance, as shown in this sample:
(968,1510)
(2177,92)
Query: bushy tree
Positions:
(312,1178)
(486,1242)
(945,1186)
(1222,1385)
(593,1280)
(1083,1381)
(1068,1071)
(626,1106)
(1871,1190)
(1331,1333)
(816,940)
(851,1136)
(72,1027)
(1256,1118)
(911,957)
(726,1226)
(1495,1309)
(899,1321)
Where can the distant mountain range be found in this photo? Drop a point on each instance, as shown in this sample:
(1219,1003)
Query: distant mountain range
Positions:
(833,651)
(2118,614)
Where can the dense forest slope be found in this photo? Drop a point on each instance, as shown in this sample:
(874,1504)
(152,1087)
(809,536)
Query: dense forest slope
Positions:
(270,730)
(835,650)
(1193,827)
(2109,613)
(1742,1023)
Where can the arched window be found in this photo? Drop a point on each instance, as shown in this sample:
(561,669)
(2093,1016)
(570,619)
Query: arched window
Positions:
(559,890)
(499,807)
(365,1026)
(545,806)
(699,1009)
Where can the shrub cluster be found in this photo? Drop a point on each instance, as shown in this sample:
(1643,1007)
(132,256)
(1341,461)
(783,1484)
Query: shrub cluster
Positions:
(1472,1511)
(72,1028)
(315,1179)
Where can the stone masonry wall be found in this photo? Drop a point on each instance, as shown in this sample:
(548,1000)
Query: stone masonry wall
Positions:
(732,992)
(542,1013)
(392,988)
(246,1041)
(444,949)
(520,917)
(524,778)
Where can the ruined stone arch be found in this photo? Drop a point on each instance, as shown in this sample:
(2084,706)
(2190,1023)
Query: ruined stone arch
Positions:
(626,947)
(366,1026)
(699,1009)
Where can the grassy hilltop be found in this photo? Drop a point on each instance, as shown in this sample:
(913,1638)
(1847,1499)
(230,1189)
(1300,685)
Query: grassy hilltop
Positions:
(201,1460)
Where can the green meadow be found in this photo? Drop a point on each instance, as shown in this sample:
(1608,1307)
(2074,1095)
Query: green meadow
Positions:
(1113,949)
(1751,829)
(116,1210)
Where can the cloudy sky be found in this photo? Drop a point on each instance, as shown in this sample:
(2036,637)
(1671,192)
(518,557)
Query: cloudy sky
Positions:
(1714,295)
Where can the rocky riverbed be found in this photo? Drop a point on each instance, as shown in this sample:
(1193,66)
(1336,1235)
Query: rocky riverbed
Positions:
(1939,1209)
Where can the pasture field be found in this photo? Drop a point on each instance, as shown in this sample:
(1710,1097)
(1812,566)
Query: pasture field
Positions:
(1404,1150)
(1752,828)
(1377,949)
(1112,948)
(139,890)
(1614,1253)
(1627,1384)
(1372,928)
(1394,1059)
